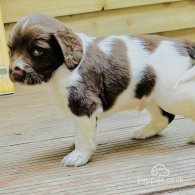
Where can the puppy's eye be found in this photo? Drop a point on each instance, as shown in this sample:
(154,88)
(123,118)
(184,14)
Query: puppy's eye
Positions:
(37,52)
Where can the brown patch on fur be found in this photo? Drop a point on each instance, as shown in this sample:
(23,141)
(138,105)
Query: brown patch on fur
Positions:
(104,77)
(186,48)
(116,74)
(146,84)
(151,42)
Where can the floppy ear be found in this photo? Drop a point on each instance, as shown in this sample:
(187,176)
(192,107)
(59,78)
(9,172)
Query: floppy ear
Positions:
(71,47)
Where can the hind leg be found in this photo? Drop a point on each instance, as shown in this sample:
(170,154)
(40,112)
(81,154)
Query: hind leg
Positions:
(159,121)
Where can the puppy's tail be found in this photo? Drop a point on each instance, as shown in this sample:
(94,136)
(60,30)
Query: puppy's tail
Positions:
(190,74)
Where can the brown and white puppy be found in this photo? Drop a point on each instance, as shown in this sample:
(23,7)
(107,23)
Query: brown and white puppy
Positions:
(93,78)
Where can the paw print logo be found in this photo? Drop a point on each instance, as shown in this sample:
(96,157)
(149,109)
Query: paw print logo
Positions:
(160,170)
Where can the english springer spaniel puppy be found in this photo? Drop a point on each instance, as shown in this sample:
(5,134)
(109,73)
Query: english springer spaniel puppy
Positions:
(92,78)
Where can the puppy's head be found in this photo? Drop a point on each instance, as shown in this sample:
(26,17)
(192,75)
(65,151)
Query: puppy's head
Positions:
(40,44)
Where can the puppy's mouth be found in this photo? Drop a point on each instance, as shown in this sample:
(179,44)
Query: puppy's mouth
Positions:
(27,76)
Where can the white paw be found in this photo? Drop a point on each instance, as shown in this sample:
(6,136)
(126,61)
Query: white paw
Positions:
(76,158)
(191,139)
(143,134)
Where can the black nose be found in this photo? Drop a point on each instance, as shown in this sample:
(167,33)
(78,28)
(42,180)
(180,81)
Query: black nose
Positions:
(17,73)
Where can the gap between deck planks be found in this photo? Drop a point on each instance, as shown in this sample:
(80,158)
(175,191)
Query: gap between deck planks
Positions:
(35,136)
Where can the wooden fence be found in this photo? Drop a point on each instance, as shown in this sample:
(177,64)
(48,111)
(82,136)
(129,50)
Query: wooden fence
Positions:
(105,17)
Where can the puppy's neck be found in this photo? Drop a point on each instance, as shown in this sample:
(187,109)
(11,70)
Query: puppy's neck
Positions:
(60,76)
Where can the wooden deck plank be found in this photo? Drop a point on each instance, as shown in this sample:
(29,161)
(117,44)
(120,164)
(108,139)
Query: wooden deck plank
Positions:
(185,191)
(35,136)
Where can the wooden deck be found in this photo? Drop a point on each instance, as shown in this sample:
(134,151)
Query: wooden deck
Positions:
(35,136)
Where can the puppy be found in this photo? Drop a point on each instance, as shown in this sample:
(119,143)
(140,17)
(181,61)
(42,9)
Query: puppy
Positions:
(92,78)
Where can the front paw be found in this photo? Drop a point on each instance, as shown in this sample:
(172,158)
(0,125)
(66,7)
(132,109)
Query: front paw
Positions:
(76,158)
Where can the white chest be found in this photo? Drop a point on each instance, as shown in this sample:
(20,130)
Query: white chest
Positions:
(57,87)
